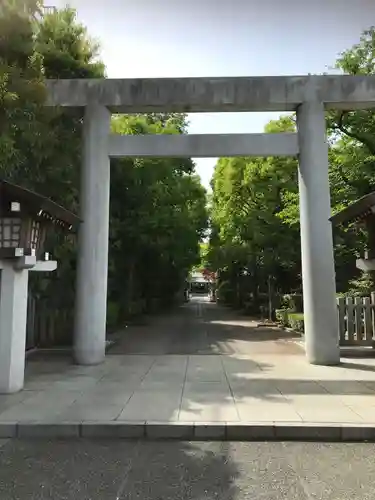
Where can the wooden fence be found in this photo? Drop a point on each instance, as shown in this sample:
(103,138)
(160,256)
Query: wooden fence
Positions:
(47,326)
(356,320)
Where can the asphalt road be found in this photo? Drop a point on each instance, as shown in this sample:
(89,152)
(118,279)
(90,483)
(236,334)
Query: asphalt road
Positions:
(200,327)
(110,470)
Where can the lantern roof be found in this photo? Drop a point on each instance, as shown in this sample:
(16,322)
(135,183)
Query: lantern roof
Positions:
(357,211)
(34,203)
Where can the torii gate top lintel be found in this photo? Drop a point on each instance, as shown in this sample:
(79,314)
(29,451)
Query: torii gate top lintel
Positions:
(258,93)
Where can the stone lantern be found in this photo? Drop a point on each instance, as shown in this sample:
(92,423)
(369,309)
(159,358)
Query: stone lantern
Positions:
(25,219)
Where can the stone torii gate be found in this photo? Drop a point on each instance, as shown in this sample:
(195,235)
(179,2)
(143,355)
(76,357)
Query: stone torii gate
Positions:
(309,96)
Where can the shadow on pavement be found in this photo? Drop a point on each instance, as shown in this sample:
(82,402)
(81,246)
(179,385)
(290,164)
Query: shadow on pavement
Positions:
(190,385)
(110,470)
(356,366)
(84,470)
(200,327)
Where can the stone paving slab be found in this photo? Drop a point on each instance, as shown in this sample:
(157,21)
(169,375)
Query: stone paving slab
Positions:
(191,397)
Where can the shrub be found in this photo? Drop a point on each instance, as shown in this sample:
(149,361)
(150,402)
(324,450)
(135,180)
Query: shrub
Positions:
(225,292)
(113,314)
(282,316)
(292,301)
(290,319)
(296,322)
(361,287)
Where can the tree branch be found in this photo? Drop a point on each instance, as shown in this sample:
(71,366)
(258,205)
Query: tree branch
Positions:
(359,137)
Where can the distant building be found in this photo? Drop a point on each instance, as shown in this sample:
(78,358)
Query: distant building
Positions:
(198,283)
(49,9)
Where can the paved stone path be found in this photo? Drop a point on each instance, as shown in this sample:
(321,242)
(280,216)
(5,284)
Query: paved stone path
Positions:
(201,327)
(202,372)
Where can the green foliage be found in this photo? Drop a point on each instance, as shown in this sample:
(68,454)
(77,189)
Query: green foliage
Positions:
(158,207)
(296,322)
(290,319)
(22,91)
(352,159)
(292,301)
(282,316)
(156,227)
(113,314)
(43,144)
(255,203)
(225,292)
(363,286)
(249,206)
(67,49)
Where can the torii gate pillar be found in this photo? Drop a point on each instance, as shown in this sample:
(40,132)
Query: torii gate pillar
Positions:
(92,272)
(318,268)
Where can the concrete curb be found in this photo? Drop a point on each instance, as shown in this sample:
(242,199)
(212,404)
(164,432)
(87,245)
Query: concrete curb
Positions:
(187,431)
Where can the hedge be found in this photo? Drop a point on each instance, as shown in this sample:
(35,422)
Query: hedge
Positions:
(290,319)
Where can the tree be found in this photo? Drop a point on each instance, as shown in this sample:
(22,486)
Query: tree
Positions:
(157,225)
(255,202)
(22,92)
(352,160)
(158,207)
(249,205)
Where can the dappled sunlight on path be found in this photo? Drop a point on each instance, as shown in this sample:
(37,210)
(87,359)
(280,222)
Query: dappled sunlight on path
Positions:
(202,363)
